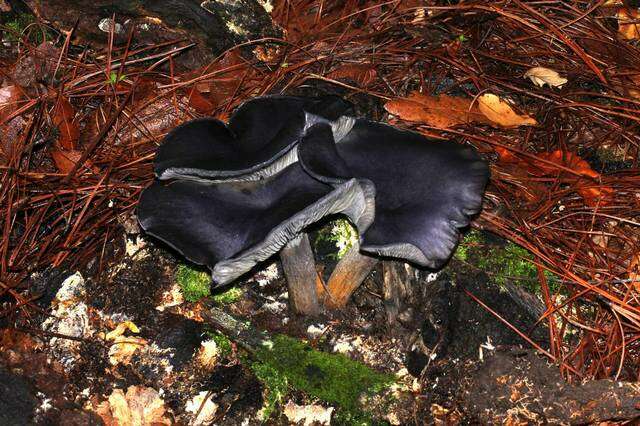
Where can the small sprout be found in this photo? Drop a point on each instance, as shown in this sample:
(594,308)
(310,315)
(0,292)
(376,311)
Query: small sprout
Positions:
(195,284)
(114,79)
(461,38)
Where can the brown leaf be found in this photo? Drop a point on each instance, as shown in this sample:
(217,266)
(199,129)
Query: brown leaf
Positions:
(65,159)
(592,193)
(541,76)
(587,187)
(566,159)
(437,111)
(10,97)
(363,74)
(228,74)
(628,23)
(63,118)
(140,406)
(199,102)
(501,113)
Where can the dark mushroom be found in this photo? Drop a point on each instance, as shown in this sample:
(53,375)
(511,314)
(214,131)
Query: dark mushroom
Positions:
(257,142)
(419,191)
(426,190)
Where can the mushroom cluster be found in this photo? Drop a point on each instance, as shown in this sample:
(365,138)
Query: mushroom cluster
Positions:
(231,196)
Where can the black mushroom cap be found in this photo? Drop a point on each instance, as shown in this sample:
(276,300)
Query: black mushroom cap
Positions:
(232,226)
(258,140)
(407,195)
(426,189)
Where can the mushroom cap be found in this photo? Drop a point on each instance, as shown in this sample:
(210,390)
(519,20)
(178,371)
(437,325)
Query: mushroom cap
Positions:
(261,132)
(232,226)
(426,189)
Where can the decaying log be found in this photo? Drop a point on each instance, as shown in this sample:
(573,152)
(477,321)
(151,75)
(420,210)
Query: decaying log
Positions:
(349,273)
(240,332)
(300,271)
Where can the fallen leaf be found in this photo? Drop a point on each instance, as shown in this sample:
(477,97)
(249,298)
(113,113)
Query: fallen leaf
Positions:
(363,74)
(501,113)
(628,23)
(199,102)
(46,58)
(203,408)
(65,159)
(437,111)
(568,160)
(541,76)
(228,74)
(121,328)
(10,97)
(505,155)
(63,118)
(590,190)
(123,347)
(140,406)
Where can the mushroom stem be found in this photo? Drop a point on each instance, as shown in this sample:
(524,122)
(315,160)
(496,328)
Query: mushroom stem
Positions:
(300,271)
(349,273)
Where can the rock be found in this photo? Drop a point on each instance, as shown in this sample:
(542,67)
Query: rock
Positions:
(308,414)
(70,317)
(203,409)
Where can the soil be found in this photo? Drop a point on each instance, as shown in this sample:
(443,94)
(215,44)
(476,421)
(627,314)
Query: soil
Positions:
(468,366)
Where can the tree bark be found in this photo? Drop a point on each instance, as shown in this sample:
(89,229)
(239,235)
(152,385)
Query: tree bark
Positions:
(240,332)
(349,273)
(300,271)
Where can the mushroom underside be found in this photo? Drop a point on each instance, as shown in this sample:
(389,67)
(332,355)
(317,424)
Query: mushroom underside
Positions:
(230,227)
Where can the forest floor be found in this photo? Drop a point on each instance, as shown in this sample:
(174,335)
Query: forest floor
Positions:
(534,320)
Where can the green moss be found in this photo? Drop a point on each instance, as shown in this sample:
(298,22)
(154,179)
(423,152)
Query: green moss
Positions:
(17,24)
(228,296)
(222,342)
(276,385)
(341,233)
(470,242)
(333,378)
(194,283)
(504,263)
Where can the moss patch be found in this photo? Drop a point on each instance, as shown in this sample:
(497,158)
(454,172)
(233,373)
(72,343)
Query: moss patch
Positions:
(222,342)
(504,263)
(333,378)
(228,296)
(341,233)
(275,383)
(194,283)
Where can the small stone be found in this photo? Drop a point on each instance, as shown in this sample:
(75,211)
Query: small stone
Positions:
(315,331)
(309,414)
(208,411)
